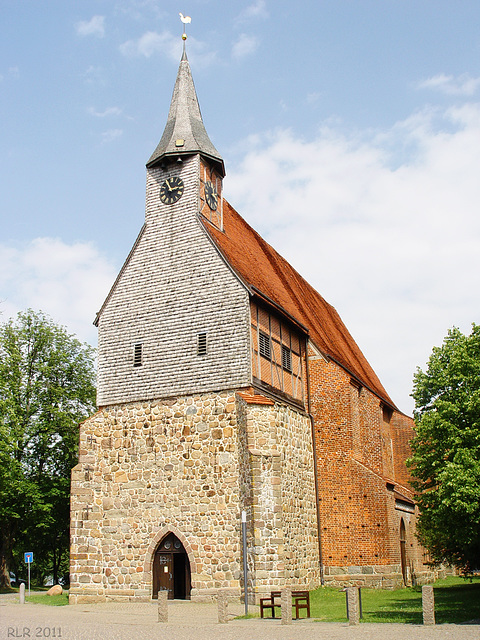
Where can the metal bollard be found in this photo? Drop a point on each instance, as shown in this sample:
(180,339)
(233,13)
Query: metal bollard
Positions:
(428,604)
(162,606)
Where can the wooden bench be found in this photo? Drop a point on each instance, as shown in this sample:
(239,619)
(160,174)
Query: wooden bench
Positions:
(300,600)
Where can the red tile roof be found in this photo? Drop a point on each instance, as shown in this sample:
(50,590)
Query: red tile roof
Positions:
(252,398)
(264,271)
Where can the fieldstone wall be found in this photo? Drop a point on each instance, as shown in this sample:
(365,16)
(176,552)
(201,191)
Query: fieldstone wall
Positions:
(278,491)
(148,468)
(189,465)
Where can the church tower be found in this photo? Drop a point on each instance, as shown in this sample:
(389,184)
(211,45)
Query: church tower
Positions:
(174,321)
(227,384)
(182,443)
(185,135)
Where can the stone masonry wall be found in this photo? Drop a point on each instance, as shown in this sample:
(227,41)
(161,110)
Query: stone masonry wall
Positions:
(146,469)
(278,491)
(190,465)
(173,286)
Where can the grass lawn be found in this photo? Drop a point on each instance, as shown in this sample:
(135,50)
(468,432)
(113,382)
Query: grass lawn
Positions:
(456,601)
(53,601)
(39,596)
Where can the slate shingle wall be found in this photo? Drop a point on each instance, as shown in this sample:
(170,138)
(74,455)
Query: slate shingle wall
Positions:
(173,286)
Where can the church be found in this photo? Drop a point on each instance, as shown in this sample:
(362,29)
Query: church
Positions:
(228,385)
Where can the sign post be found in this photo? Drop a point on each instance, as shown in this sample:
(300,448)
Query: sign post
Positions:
(28,558)
(245,563)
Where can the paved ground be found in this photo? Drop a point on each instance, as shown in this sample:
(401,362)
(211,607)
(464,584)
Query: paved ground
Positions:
(191,621)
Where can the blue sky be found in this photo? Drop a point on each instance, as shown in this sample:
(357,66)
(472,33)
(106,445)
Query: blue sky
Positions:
(350,132)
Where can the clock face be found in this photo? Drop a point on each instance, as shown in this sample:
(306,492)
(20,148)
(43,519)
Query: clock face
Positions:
(171,190)
(211,195)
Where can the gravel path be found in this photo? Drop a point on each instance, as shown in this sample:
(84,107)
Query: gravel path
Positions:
(192,621)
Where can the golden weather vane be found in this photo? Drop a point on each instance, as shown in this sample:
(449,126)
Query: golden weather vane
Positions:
(186,20)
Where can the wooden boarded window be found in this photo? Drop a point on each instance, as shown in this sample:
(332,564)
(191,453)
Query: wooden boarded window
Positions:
(277,357)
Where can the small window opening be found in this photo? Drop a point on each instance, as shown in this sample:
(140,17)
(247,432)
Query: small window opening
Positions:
(387,413)
(286,358)
(202,344)
(264,345)
(137,355)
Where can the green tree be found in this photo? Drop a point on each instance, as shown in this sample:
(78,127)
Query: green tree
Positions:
(46,389)
(446,450)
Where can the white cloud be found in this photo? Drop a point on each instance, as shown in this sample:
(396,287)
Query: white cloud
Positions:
(67,281)
(257,9)
(393,245)
(136,9)
(111,135)
(12,72)
(314,97)
(463,85)
(109,111)
(94,76)
(244,46)
(151,43)
(94,27)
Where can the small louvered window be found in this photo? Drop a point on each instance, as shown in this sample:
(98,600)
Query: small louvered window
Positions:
(202,344)
(137,355)
(264,343)
(286,358)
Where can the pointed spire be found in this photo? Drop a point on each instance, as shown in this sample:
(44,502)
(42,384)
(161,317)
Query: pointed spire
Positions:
(185,133)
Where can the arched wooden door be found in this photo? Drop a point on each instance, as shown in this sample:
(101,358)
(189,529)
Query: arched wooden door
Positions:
(171,569)
(403,550)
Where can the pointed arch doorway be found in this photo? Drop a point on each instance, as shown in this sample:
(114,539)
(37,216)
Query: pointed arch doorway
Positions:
(171,569)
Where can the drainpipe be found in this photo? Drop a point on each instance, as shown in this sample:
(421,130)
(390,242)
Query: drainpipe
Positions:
(315,468)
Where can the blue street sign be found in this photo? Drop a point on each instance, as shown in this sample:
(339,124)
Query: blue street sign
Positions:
(28,557)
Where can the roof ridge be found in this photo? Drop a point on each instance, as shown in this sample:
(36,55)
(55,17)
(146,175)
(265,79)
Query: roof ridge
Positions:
(263,269)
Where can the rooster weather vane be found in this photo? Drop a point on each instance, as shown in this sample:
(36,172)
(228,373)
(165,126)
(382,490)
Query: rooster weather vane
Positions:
(186,20)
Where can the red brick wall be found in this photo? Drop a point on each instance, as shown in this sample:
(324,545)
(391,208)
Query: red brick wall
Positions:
(402,431)
(360,447)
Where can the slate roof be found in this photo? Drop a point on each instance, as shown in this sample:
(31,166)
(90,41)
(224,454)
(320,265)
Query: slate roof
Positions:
(185,124)
(267,274)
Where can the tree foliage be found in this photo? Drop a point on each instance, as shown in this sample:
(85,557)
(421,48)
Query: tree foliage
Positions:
(46,389)
(446,450)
